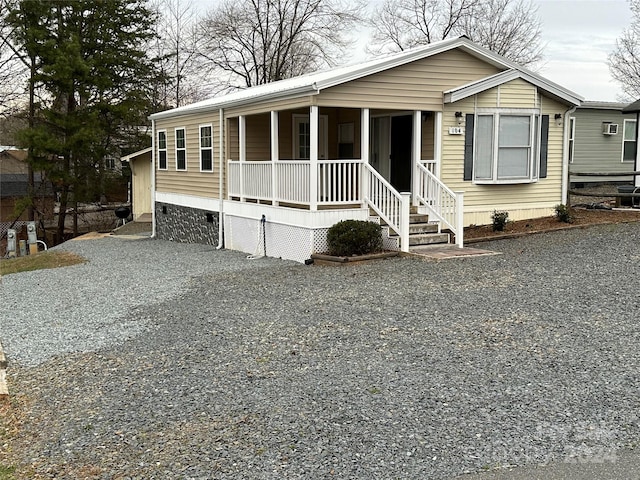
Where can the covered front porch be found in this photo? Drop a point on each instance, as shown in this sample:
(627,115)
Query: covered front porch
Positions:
(342,162)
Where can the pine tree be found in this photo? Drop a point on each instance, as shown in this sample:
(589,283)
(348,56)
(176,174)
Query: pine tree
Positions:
(92,78)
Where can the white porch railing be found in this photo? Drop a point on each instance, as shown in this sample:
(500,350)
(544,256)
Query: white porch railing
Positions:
(441,202)
(388,203)
(430,165)
(338,181)
(348,182)
(292,182)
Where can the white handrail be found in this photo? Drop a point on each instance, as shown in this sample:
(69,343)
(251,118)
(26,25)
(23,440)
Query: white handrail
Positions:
(441,202)
(391,205)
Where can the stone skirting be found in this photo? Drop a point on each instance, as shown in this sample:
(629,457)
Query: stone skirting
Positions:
(186,225)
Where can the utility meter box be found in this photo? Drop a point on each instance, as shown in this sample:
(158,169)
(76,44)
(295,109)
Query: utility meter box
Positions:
(12,245)
(32,238)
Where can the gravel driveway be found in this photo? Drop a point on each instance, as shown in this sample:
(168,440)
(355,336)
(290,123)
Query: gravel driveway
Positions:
(160,360)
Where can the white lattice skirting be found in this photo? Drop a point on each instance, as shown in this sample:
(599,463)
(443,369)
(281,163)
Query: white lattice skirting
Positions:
(288,242)
(282,241)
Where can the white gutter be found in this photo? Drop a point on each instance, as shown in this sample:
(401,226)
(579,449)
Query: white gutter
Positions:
(565,154)
(220,183)
(153,179)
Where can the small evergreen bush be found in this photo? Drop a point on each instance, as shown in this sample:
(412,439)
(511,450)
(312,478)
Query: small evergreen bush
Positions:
(354,237)
(563,213)
(499,220)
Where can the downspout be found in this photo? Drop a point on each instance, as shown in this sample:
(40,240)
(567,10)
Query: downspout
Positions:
(565,155)
(153,179)
(220,182)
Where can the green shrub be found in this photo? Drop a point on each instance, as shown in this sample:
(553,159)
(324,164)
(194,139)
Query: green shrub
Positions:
(499,220)
(354,237)
(563,213)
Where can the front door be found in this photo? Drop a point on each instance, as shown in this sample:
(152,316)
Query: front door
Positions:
(400,152)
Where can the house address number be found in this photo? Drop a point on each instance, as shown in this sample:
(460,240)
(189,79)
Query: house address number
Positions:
(456,130)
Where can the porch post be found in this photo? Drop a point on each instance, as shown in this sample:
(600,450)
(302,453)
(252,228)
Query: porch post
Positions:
(437,142)
(242,126)
(275,156)
(364,154)
(416,153)
(460,219)
(313,158)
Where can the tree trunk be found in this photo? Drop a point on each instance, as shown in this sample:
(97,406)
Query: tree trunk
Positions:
(31,122)
(62,213)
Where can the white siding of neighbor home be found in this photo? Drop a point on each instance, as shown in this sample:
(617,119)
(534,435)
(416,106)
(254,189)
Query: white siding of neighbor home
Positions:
(520,200)
(594,152)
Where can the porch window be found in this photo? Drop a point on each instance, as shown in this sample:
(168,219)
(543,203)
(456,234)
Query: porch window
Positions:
(506,147)
(302,137)
(181,149)
(629,144)
(162,150)
(206,149)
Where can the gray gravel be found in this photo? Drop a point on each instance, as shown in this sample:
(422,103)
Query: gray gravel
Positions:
(173,361)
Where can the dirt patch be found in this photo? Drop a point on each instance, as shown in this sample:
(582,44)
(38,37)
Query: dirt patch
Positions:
(133,228)
(581,217)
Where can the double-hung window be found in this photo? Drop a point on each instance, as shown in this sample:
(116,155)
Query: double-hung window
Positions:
(181,149)
(206,148)
(572,134)
(162,150)
(629,143)
(506,147)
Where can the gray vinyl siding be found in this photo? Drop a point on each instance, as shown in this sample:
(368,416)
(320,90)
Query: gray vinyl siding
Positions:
(594,152)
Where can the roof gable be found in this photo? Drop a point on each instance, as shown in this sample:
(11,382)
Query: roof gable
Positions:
(314,83)
(550,88)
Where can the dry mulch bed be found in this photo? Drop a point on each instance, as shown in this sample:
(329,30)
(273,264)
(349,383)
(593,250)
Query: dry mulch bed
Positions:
(581,217)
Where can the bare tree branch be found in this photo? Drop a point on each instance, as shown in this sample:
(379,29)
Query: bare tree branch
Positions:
(261,41)
(508,27)
(182,79)
(624,61)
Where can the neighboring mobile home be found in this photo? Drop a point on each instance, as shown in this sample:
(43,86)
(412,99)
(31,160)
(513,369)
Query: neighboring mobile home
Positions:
(602,138)
(450,129)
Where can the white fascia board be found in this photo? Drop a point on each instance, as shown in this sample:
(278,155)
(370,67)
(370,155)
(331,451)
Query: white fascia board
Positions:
(128,158)
(479,86)
(221,103)
(594,105)
(474,88)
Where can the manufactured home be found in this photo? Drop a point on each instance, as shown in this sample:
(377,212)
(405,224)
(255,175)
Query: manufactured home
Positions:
(426,141)
(602,138)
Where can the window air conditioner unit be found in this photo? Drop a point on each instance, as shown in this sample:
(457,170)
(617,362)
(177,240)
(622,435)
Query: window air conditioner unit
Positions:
(610,128)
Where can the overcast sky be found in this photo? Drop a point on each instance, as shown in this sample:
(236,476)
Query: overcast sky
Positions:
(578,36)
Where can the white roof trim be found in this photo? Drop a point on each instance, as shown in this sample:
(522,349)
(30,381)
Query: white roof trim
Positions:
(597,105)
(479,86)
(313,83)
(127,158)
